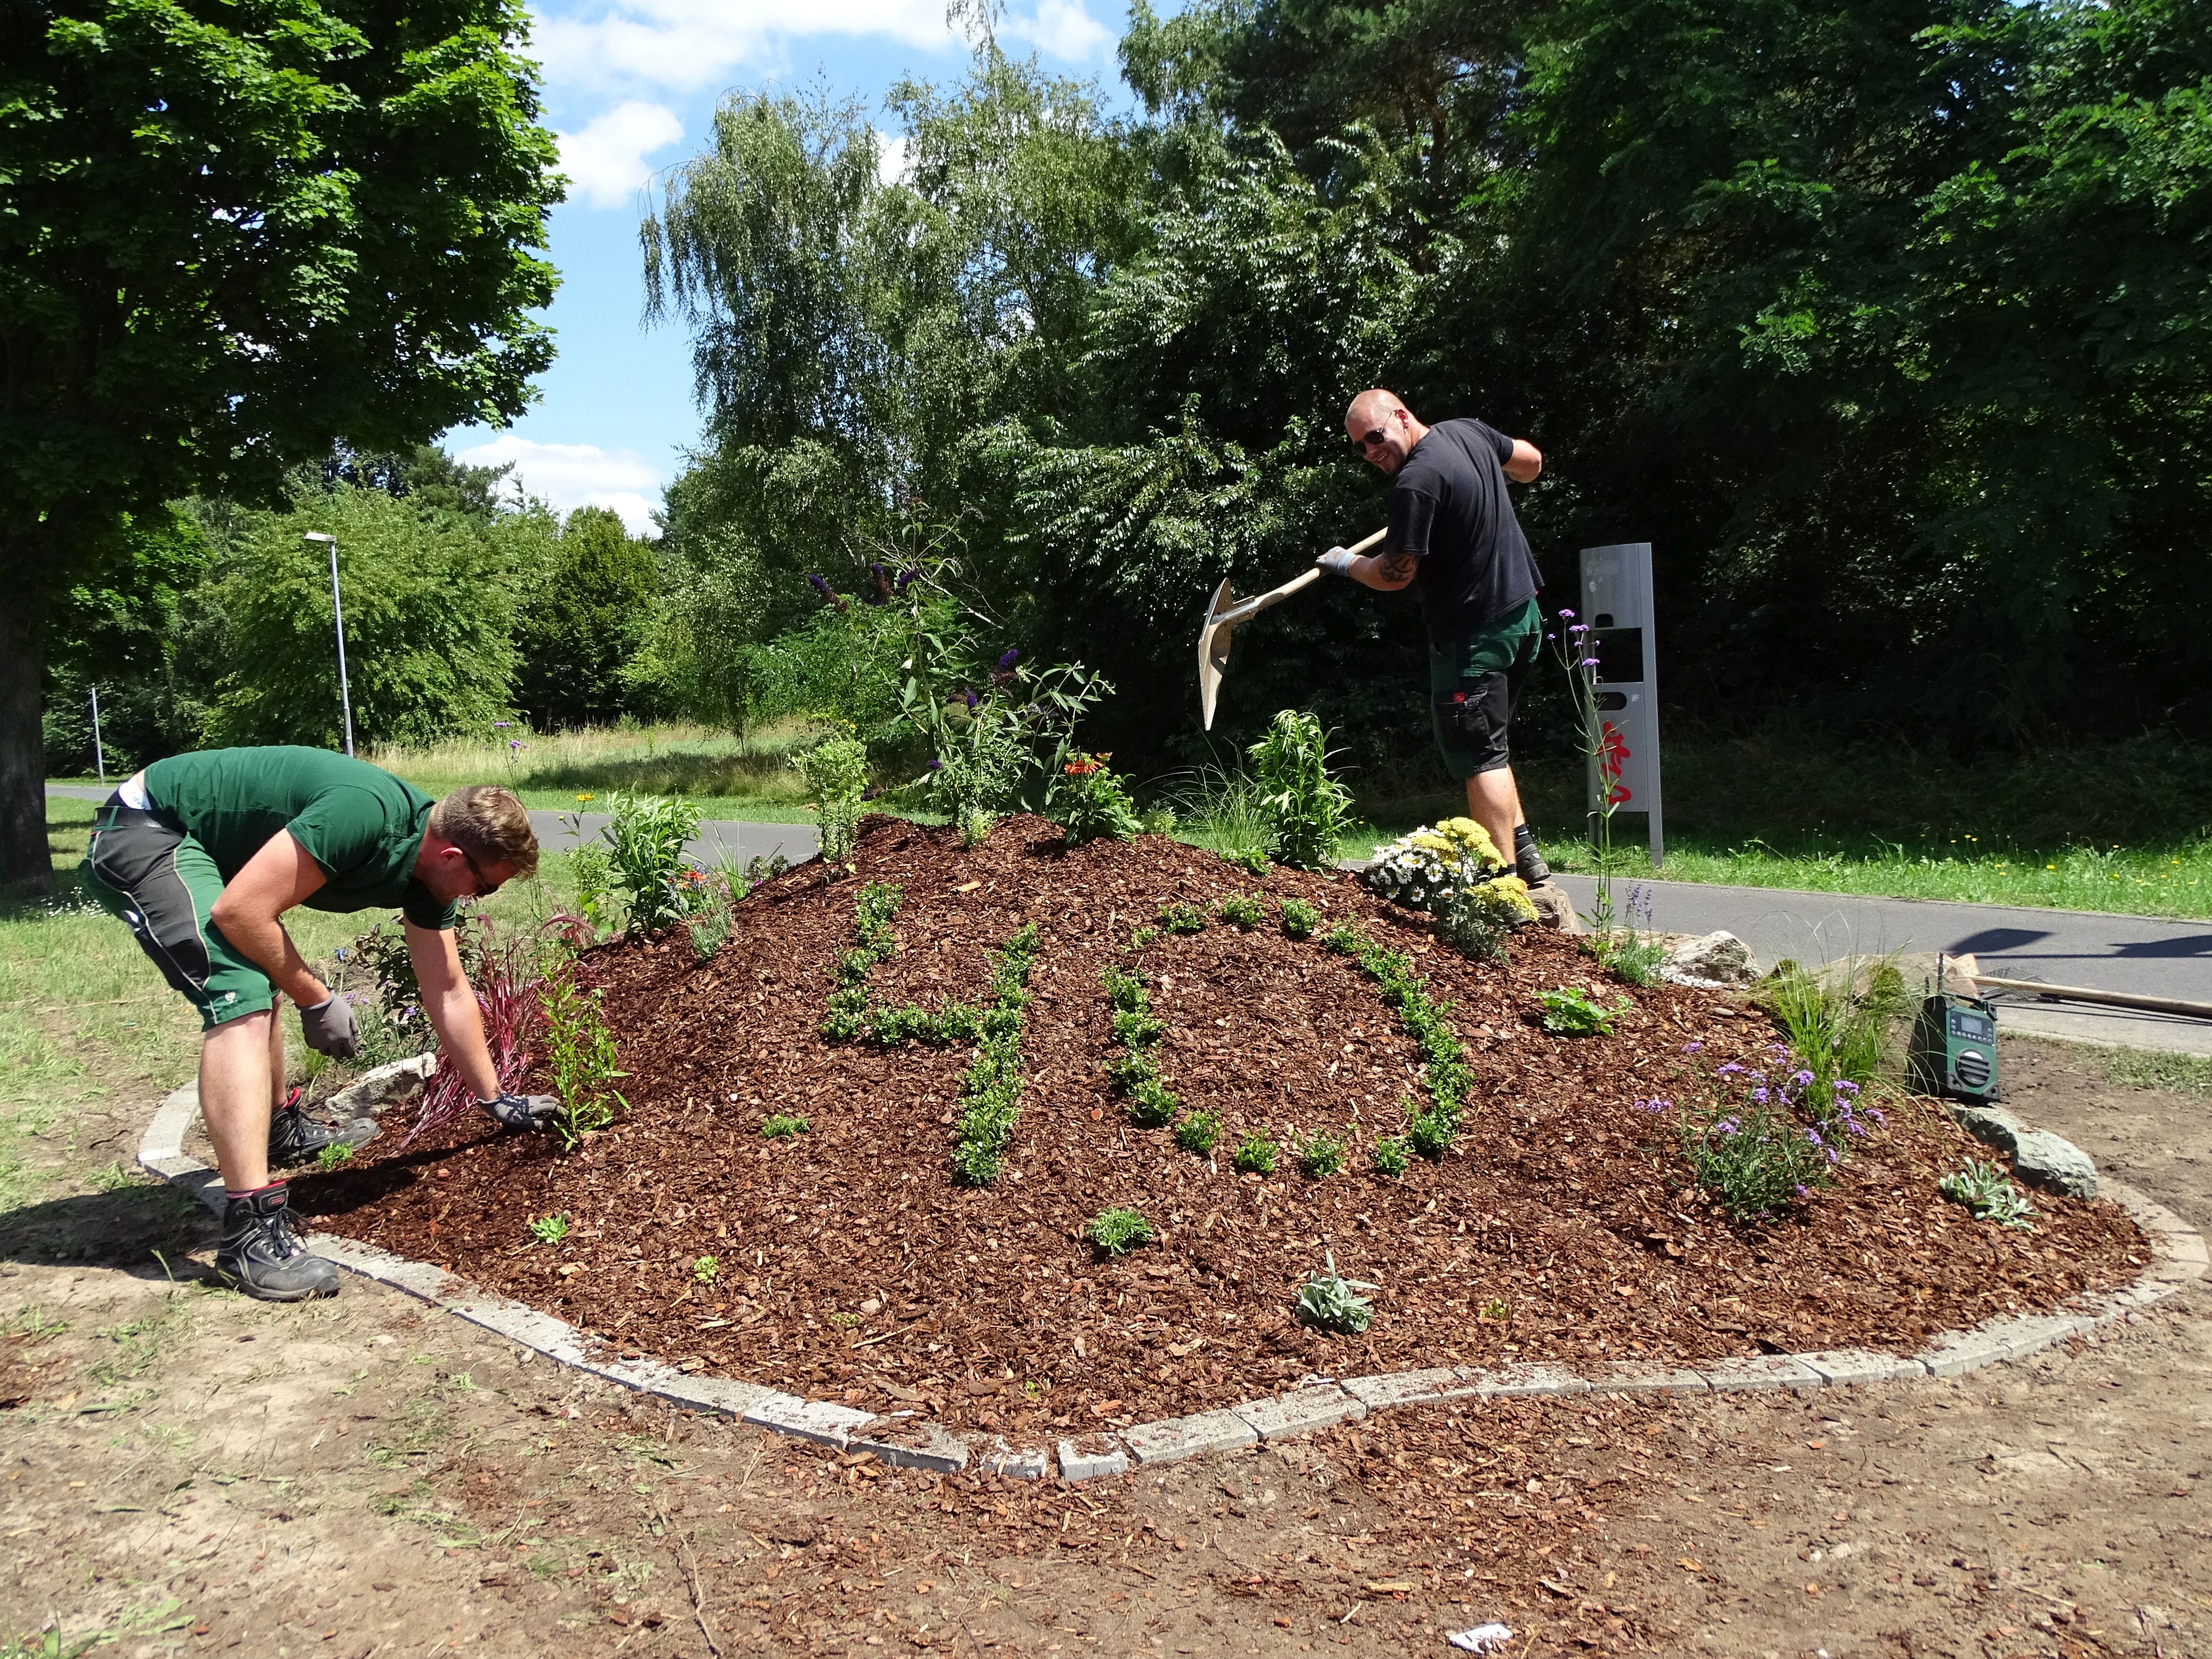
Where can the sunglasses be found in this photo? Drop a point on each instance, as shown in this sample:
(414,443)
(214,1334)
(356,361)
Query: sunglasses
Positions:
(485,885)
(1361,445)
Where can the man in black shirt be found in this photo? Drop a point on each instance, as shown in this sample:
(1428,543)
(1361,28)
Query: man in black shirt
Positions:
(1452,531)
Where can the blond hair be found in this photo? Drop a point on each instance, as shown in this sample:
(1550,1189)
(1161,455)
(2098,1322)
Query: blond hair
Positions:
(490,823)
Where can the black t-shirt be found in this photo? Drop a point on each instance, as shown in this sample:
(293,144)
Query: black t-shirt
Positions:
(1448,506)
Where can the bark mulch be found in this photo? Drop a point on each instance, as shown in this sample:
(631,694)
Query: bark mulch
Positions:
(850,1265)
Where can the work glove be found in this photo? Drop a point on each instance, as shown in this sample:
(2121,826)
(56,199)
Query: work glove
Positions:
(1338,561)
(329,1027)
(532,1112)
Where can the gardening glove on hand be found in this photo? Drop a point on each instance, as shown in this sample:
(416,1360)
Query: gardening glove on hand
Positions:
(1338,561)
(533,1112)
(329,1027)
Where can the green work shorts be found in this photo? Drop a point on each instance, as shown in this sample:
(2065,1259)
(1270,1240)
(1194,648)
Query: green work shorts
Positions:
(143,866)
(1475,685)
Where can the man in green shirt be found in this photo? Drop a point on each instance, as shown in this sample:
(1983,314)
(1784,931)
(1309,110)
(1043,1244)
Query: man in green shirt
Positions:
(202,853)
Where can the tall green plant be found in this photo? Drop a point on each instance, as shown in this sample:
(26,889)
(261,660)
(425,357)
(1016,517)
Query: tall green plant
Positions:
(836,774)
(645,837)
(1307,810)
(579,1056)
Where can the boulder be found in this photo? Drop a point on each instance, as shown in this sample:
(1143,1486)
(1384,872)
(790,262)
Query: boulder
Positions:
(2042,1159)
(1555,909)
(382,1085)
(1716,959)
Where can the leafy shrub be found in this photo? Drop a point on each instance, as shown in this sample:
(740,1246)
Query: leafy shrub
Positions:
(1328,1301)
(550,1229)
(1254,1154)
(1448,1075)
(1151,1105)
(1118,1231)
(1137,1029)
(335,1156)
(1988,1195)
(1477,920)
(1299,918)
(975,825)
(836,775)
(781,1125)
(1251,860)
(1199,1133)
(579,1052)
(1307,810)
(1125,992)
(1569,1011)
(1093,802)
(1391,1158)
(1243,909)
(1432,1133)
(645,837)
(991,1092)
(1183,918)
(848,1015)
(1321,1156)
(705,1270)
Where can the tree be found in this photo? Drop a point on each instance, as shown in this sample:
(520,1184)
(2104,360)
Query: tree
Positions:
(429,621)
(583,621)
(233,237)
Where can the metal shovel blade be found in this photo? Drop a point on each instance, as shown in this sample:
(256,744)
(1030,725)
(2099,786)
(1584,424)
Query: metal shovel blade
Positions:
(1214,641)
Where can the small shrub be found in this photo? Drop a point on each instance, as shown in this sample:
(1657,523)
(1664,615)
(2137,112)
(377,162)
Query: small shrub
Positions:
(1242,910)
(335,1156)
(1321,1156)
(1159,821)
(550,1229)
(1139,938)
(1091,802)
(1183,918)
(1200,1132)
(991,1093)
(848,1014)
(1988,1195)
(1391,1158)
(1571,1011)
(976,826)
(1131,1068)
(1495,1311)
(645,837)
(579,1052)
(1118,1231)
(1125,992)
(1432,1133)
(1138,1031)
(1753,1158)
(782,1125)
(1255,1155)
(1328,1301)
(1306,809)
(836,775)
(704,1270)
(1250,859)
(1477,920)
(1151,1105)
(1299,918)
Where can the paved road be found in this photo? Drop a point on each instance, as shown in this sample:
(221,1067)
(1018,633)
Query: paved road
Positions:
(2140,954)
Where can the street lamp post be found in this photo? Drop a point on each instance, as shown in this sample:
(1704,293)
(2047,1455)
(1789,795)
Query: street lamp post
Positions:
(338,615)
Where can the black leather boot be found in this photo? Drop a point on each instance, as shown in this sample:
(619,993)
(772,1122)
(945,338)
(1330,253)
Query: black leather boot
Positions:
(1527,862)
(263,1257)
(295,1139)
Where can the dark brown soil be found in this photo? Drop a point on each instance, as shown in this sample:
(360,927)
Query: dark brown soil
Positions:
(852,1266)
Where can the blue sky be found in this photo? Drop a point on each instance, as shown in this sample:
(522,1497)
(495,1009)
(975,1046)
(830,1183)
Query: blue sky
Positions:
(630,87)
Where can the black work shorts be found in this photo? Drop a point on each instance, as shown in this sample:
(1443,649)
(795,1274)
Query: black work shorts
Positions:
(1474,686)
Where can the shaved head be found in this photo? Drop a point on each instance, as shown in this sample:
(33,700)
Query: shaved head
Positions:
(1383,429)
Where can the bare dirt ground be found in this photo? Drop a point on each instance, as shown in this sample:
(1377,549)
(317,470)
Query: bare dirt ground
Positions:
(187,1471)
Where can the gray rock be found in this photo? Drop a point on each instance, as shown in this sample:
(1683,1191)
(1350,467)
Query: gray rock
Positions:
(379,1087)
(2042,1159)
(1555,909)
(1719,958)
(1078,1465)
(1990,1124)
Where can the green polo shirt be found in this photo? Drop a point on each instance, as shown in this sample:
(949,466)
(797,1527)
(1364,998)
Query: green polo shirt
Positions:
(363,826)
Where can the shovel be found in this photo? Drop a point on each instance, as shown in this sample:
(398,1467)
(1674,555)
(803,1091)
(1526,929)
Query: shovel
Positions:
(1227,610)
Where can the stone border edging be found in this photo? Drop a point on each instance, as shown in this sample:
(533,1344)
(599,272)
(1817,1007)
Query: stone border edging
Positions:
(2178,1256)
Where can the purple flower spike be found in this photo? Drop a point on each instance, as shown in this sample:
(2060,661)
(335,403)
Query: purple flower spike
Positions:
(972,698)
(819,585)
(1760,1096)
(1693,1048)
(1801,1077)
(1010,659)
(1565,614)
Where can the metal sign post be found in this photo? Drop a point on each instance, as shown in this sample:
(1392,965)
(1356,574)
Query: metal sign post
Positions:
(338,616)
(1617,603)
(99,754)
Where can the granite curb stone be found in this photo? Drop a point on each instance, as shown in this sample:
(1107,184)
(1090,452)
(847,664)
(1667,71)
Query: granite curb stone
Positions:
(2179,1256)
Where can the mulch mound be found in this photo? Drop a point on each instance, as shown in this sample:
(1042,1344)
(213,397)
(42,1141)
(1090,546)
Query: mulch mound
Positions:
(1562,1226)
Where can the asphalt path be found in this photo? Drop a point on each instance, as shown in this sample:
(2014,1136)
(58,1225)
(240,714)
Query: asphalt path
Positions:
(2146,956)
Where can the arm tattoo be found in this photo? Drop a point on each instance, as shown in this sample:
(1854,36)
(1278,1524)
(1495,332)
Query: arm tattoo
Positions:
(1398,566)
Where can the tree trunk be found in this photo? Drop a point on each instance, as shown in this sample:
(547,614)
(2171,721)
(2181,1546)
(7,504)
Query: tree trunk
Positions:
(26,865)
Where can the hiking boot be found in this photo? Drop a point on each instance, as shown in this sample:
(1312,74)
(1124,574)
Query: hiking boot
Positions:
(1527,862)
(295,1139)
(263,1257)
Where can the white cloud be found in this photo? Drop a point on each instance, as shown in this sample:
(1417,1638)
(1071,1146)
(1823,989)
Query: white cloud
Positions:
(890,156)
(570,475)
(1061,27)
(684,45)
(606,162)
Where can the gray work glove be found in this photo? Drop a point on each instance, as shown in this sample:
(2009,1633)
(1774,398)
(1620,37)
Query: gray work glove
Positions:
(1338,561)
(532,1112)
(330,1030)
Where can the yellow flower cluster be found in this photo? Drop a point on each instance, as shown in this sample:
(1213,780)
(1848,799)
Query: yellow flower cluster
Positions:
(1504,900)
(1461,838)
